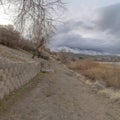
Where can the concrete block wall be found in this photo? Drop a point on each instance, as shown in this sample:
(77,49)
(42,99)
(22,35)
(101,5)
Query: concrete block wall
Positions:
(15,75)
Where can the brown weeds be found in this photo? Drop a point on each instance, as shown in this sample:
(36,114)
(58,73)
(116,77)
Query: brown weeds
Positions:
(109,73)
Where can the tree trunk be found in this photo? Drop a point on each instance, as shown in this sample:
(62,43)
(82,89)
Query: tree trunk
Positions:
(39,49)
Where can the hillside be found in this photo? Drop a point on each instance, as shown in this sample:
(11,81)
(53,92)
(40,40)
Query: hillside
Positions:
(13,55)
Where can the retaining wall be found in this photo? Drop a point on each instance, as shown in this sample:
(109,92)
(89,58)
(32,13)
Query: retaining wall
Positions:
(15,75)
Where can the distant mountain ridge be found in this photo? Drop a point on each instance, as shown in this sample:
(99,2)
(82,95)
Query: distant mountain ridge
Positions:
(81,51)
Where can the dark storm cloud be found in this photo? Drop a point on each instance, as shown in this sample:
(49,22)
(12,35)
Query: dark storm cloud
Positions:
(73,40)
(109,19)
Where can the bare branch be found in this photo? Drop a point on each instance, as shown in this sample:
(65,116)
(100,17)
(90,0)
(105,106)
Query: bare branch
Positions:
(35,16)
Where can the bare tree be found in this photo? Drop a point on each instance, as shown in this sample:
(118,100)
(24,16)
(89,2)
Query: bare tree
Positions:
(35,16)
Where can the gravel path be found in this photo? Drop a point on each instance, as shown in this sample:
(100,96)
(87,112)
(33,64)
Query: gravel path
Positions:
(61,96)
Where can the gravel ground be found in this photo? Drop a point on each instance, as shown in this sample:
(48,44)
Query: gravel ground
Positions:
(60,96)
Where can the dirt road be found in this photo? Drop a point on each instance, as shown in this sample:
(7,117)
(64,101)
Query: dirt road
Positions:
(60,96)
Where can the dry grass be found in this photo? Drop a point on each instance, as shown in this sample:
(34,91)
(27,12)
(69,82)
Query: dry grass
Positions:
(98,71)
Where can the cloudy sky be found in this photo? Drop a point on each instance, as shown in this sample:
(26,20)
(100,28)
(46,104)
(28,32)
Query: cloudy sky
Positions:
(90,25)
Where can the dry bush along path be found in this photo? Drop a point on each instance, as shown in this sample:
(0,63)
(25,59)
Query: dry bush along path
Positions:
(59,95)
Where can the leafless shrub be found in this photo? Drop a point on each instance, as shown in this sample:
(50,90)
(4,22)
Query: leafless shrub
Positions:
(9,36)
(12,38)
(27,45)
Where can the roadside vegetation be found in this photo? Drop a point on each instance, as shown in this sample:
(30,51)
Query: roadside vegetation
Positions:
(95,71)
(12,38)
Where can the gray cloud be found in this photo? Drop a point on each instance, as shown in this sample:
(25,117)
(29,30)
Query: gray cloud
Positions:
(101,35)
(78,42)
(72,25)
(109,19)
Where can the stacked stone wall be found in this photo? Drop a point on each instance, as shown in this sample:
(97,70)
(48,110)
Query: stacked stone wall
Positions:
(15,75)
